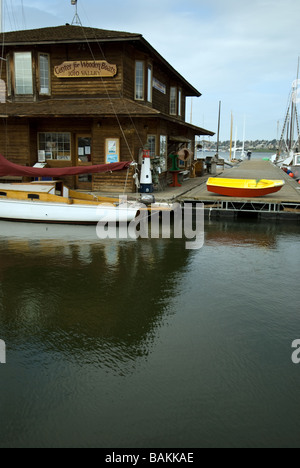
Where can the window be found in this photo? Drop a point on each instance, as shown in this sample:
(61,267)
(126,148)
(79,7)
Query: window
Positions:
(2,92)
(44,68)
(173,100)
(8,73)
(139,81)
(152,144)
(179,101)
(149,83)
(163,152)
(23,73)
(55,145)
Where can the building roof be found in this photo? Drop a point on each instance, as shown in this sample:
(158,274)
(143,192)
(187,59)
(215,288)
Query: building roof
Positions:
(93,108)
(64,34)
(73,34)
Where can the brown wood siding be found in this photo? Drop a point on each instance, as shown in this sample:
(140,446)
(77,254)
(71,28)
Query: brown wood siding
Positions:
(128,71)
(161,101)
(15,141)
(135,135)
(117,182)
(123,84)
(100,87)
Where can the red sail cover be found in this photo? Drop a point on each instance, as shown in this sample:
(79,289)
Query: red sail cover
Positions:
(10,169)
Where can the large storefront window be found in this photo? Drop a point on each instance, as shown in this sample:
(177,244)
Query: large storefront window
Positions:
(23,73)
(55,145)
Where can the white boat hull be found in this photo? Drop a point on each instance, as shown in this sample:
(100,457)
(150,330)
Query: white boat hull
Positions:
(46,212)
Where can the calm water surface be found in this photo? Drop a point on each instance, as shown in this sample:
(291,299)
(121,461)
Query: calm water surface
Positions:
(145,344)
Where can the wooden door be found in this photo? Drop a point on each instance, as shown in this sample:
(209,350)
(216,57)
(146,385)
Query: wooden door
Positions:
(84,158)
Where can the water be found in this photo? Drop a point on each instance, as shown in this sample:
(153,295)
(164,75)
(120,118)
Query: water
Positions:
(226,155)
(122,344)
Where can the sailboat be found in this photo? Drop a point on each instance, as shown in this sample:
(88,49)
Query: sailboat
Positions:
(288,155)
(52,202)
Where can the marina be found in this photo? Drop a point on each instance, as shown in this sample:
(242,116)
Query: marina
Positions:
(128,320)
(284,204)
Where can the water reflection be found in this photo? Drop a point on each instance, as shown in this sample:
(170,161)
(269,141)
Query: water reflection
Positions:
(144,344)
(247,233)
(90,300)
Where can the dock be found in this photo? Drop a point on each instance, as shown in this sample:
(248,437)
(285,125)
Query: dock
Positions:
(283,204)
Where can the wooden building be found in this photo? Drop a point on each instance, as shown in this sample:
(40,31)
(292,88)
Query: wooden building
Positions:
(82,96)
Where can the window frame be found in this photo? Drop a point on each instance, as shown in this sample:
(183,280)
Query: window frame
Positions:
(16,77)
(57,158)
(173,100)
(163,143)
(179,102)
(149,82)
(153,151)
(141,97)
(41,93)
(8,76)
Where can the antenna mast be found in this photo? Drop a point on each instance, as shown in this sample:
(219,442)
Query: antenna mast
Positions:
(76,20)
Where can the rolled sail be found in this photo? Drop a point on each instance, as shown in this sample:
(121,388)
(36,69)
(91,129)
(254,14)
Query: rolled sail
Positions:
(8,168)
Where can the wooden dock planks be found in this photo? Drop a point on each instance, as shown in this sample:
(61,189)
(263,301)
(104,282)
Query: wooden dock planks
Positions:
(254,169)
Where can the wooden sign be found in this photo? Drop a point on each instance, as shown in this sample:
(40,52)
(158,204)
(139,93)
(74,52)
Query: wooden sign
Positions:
(159,86)
(85,69)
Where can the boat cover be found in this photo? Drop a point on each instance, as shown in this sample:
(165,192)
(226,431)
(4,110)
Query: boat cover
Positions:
(8,168)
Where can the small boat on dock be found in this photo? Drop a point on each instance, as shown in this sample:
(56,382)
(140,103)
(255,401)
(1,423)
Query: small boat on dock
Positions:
(53,202)
(243,188)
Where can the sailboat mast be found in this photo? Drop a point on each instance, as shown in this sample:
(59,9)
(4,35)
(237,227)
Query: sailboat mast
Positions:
(219,123)
(231,129)
(293,108)
(235,143)
(244,136)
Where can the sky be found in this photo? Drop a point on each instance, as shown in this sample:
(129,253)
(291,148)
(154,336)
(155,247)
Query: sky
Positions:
(242,53)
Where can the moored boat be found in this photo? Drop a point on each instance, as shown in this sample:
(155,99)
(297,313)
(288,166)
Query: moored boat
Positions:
(53,202)
(243,188)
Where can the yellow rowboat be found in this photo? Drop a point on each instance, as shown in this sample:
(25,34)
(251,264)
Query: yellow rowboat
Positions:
(243,188)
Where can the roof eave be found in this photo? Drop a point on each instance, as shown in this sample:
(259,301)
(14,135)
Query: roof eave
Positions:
(71,41)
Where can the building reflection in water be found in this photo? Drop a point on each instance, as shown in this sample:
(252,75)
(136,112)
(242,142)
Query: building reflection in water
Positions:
(66,292)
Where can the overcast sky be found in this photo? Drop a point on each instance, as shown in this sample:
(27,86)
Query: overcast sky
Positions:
(243,53)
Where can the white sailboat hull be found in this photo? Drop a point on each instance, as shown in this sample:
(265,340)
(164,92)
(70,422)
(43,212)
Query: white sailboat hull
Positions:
(46,212)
